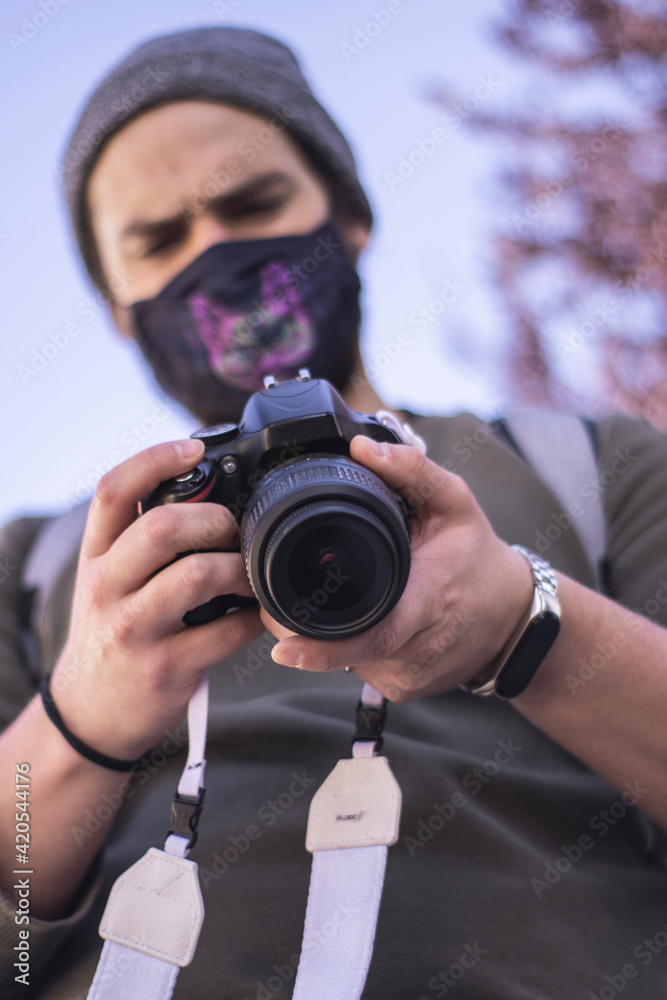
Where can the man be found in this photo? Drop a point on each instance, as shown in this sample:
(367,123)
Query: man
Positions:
(200,168)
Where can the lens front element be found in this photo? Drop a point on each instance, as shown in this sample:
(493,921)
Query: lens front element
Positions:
(326,546)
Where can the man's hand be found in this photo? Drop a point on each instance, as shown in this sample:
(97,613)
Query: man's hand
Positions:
(466,593)
(130,664)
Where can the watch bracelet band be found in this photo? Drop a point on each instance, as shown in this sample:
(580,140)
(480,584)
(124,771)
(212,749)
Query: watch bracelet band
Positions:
(544,580)
(543,573)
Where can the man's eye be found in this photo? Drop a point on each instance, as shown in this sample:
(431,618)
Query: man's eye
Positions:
(170,240)
(254,208)
(266,206)
(161,245)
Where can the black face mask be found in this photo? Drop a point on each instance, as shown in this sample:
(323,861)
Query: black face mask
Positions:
(244,310)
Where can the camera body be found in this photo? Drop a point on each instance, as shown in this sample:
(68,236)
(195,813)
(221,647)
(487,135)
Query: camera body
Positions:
(325,542)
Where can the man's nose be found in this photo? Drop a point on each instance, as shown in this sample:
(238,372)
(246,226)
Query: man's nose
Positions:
(206,230)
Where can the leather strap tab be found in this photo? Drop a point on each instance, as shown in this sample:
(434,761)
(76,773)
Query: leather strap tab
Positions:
(156,906)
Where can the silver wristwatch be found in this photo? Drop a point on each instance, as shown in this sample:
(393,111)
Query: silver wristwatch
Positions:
(531,641)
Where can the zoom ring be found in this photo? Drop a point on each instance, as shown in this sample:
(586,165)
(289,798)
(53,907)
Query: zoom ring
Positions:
(310,474)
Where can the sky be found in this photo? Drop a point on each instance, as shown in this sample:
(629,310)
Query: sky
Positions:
(76,399)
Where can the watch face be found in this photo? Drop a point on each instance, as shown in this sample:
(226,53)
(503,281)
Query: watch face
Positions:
(527,655)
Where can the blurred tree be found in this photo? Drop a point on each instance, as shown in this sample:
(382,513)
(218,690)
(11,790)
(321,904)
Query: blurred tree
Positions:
(579,253)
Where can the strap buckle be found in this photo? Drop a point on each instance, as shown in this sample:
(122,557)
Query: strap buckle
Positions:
(185,813)
(370,723)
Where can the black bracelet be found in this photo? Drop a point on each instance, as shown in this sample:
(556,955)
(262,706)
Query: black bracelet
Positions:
(93,755)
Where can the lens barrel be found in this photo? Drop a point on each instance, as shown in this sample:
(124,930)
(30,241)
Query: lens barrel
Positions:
(326,546)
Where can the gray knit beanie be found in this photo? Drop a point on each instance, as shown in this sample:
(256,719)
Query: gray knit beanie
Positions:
(236,66)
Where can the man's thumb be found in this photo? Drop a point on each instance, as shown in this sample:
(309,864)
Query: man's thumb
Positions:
(403,468)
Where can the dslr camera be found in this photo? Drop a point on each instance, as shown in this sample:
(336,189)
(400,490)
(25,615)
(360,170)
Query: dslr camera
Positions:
(326,544)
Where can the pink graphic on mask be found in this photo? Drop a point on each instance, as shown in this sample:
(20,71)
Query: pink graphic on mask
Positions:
(243,347)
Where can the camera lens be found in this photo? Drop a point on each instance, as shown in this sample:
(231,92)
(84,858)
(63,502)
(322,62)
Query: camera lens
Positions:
(332,557)
(331,564)
(326,546)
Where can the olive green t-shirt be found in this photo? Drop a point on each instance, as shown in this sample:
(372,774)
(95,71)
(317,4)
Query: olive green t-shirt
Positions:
(519,874)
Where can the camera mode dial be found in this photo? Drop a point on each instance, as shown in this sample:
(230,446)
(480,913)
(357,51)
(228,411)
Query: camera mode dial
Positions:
(217,434)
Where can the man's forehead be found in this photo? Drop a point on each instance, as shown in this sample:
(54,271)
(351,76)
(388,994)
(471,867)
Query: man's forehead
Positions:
(194,118)
(178,131)
(165,157)
(272,183)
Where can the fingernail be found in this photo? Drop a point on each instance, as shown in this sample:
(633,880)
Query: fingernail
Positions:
(287,655)
(377,448)
(189,448)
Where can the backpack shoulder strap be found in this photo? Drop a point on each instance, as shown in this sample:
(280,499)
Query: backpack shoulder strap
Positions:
(55,545)
(561,448)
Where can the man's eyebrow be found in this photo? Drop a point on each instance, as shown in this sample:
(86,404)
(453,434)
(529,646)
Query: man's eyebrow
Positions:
(249,189)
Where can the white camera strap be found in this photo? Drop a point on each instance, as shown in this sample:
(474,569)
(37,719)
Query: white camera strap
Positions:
(353,818)
(155,910)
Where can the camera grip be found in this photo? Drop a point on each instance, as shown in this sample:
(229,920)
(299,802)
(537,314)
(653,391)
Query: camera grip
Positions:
(216,608)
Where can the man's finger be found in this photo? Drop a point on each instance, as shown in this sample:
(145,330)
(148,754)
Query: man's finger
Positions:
(187,584)
(161,534)
(206,645)
(418,480)
(114,504)
(377,644)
